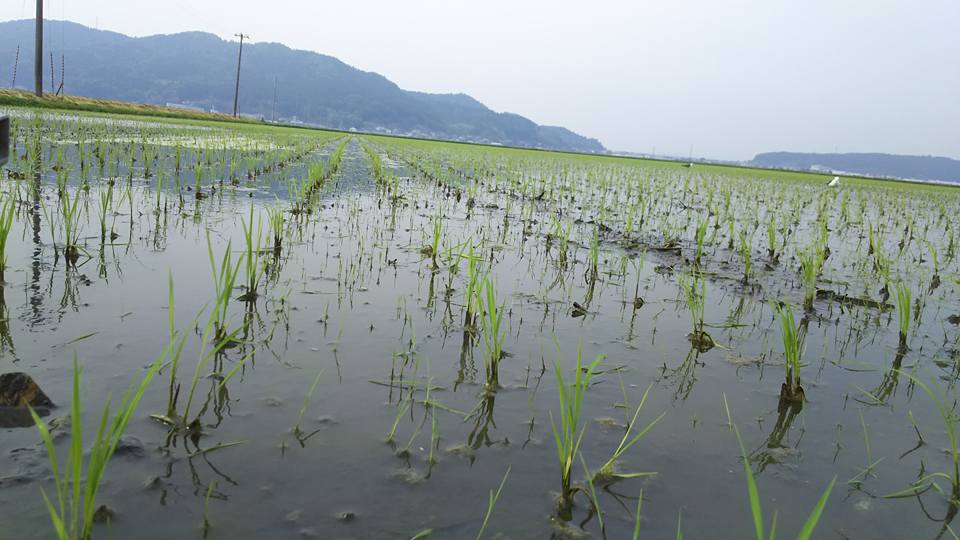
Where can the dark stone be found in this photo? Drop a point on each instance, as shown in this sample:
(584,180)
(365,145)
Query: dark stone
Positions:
(20,390)
(130,446)
(104,514)
(17,392)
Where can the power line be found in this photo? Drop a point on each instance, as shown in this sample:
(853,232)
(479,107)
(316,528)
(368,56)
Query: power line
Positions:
(236,92)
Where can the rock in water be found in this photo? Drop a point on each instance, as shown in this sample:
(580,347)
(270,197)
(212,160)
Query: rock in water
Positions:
(20,390)
(17,392)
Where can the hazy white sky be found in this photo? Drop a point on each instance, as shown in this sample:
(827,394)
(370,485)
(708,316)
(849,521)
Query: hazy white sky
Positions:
(729,78)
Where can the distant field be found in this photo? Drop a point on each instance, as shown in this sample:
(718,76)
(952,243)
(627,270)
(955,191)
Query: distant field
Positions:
(19,98)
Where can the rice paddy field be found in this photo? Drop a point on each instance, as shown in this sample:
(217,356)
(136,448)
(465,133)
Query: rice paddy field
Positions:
(308,334)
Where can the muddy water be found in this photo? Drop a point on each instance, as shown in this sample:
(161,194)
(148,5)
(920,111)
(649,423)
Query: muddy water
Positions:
(355,298)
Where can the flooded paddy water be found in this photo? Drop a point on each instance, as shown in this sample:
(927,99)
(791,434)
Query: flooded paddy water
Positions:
(404,315)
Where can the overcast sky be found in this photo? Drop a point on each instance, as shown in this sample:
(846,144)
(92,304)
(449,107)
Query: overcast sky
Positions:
(727,78)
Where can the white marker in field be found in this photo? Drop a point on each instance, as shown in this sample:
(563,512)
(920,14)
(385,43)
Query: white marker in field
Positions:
(835,182)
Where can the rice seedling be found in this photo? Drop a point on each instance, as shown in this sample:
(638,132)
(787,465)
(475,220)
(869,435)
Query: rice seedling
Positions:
(253,270)
(491,317)
(903,312)
(694,293)
(608,472)
(592,493)
(569,434)
(756,510)
(593,268)
(224,277)
(772,241)
(76,486)
(946,407)
(297,431)
(432,249)
(206,526)
(791,390)
(106,207)
(492,502)
(7,210)
(70,212)
(811,263)
(700,237)
(276,221)
(745,253)
(636,517)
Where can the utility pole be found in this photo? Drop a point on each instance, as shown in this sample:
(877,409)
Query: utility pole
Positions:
(16,62)
(274,99)
(236,92)
(38,52)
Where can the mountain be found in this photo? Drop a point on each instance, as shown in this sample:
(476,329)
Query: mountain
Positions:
(883,165)
(198,69)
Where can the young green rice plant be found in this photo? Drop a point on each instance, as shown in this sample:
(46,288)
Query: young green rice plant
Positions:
(491,317)
(70,211)
(772,240)
(275,221)
(224,278)
(811,263)
(297,432)
(946,407)
(76,487)
(473,285)
(791,390)
(745,247)
(593,269)
(608,472)
(757,512)
(694,293)
(206,526)
(592,493)
(433,248)
(253,270)
(700,237)
(7,210)
(903,312)
(569,434)
(492,502)
(636,517)
(106,207)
